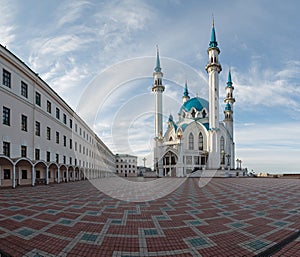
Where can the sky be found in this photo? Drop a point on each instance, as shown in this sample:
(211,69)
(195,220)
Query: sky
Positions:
(99,57)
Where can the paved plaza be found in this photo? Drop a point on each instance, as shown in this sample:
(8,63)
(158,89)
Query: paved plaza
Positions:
(226,217)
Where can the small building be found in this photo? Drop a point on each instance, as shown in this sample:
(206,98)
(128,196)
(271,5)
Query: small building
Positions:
(126,165)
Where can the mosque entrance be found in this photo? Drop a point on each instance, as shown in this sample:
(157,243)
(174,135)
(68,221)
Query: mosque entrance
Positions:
(169,164)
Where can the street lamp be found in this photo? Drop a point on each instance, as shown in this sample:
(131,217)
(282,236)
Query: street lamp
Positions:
(228,159)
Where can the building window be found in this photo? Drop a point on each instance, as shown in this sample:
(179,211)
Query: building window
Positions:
(24,89)
(37,154)
(80,131)
(24,174)
(75,127)
(24,122)
(49,108)
(48,156)
(57,158)
(200,141)
(6,173)
(65,141)
(38,174)
(57,137)
(64,158)
(70,160)
(6,116)
(37,128)
(6,149)
(75,146)
(6,78)
(65,118)
(23,151)
(48,133)
(71,143)
(57,113)
(38,98)
(191,141)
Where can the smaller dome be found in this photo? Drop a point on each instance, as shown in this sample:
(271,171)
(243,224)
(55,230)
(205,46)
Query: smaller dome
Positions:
(198,103)
(227,107)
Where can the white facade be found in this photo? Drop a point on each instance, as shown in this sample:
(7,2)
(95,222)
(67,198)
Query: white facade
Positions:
(198,140)
(40,134)
(126,165)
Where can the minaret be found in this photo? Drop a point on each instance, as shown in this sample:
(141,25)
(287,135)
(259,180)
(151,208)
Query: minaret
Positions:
(213,69)
(229,100)
(185,96)
(158,89)
(228,120)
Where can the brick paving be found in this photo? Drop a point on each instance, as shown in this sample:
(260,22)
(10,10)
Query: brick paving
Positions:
(226,217)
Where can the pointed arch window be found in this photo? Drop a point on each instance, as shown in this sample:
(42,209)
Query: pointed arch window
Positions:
(193,113)
(191,141)
(200,141)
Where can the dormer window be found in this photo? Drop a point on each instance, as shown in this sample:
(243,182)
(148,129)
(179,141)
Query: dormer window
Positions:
(204,114)
(193,113)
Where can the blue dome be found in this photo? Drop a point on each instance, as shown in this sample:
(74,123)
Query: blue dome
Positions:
(198,103)
(227,107)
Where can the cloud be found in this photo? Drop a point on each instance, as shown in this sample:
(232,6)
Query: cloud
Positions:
(267,87)
(269,147)
(7,26)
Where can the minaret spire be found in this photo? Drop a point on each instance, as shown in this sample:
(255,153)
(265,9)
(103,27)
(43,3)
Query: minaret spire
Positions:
(213,39)
(157,67)
(185,96)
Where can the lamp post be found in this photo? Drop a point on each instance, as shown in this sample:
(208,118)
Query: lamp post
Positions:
(228,160)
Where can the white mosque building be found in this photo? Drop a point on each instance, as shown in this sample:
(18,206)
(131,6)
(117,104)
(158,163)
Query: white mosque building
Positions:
(198,142)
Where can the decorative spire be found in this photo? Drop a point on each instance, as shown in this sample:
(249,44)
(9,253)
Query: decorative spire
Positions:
(157,68)
(186,91)
(213,39)
(171,118)
(229,81)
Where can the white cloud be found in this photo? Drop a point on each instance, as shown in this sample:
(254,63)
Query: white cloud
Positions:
(269,147)
(7,26)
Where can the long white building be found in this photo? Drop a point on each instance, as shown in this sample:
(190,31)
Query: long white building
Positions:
(42,140)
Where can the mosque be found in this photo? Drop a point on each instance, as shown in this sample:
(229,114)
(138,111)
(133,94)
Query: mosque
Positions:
(198,142)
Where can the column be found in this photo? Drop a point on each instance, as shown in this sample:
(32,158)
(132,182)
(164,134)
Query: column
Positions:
(33,176)
(14,177)
(47,175)
(58,175)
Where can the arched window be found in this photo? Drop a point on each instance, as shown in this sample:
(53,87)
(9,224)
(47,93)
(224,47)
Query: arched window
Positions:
(200,141)
(191,141)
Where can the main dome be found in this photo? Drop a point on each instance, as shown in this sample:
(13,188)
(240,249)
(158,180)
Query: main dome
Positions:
(197,103)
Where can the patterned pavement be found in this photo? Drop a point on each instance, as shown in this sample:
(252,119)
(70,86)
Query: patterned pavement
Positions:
(226,217)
